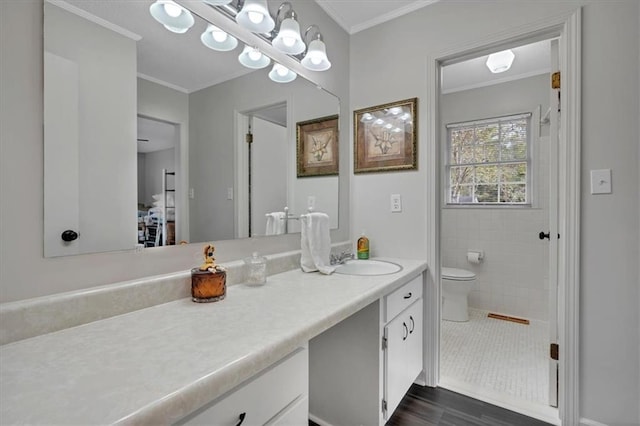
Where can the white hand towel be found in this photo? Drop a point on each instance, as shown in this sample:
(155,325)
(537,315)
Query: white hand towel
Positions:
(275,223)
(315,243)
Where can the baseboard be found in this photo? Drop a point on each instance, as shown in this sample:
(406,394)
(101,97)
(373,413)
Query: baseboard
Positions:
(317,420)
(589,422)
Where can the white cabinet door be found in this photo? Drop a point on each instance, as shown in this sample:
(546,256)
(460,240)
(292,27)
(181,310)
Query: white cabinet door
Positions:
(414,341)
(403,355)
(395,368)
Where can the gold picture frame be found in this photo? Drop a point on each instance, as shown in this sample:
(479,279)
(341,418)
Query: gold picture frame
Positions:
(385,137)
(317,146)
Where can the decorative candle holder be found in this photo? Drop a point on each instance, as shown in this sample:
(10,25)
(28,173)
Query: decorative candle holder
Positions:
(209,281)
(209,285)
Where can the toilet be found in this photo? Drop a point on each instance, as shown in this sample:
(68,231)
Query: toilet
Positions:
(456,285)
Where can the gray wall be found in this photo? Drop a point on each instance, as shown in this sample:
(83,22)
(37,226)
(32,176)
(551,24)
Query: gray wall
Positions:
(212,114)
(21,160)
(609,253)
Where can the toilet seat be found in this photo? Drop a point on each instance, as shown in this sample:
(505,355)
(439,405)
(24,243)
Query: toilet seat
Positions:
(455,274)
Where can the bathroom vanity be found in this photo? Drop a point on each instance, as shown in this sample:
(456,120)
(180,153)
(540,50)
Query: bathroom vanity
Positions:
(298,346)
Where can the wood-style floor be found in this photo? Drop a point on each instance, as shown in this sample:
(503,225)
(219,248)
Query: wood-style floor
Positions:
(425,406)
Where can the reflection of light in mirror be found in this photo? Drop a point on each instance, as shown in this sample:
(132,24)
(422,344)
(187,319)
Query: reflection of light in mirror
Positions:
(397,129)
(405,116)
(254,54)
(388,126)
(366,117)
(395,110)
(379,121)
(172,9)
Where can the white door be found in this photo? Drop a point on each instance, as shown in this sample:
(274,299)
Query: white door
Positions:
(554,117)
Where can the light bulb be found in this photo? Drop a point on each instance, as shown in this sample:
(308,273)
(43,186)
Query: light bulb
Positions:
(316,59)
(172,9)
(282,71)
(219,36)
(255,17)
(288,41)
(254,55)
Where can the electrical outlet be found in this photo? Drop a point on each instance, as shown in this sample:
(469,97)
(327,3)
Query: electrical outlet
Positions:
(229,193)
(311,202)
(396,203)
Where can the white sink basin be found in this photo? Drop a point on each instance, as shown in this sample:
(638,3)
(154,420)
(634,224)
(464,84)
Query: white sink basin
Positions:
(367,267)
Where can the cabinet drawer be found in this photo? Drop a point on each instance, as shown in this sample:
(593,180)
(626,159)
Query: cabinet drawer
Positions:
(261,398)
(400,299)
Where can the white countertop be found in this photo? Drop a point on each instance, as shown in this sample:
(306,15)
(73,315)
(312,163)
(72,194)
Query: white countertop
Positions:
(156,365)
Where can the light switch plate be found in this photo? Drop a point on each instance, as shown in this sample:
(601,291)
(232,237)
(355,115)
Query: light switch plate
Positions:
(311,202)
(601,181)
(229,193)
(396,203)
(192,193)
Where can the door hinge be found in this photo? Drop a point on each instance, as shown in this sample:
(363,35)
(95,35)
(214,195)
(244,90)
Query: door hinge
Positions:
(249,138)
(554,349)
(384,343)
(555,80)
(384,406)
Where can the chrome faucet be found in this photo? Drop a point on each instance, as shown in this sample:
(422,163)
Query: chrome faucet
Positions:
(339,259)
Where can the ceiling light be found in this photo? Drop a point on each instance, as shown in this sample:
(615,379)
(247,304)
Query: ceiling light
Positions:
(255,17)
(216,39)
(500,61)
(251,57)
(288,38)
(281,74)
(316,57)
(174,17)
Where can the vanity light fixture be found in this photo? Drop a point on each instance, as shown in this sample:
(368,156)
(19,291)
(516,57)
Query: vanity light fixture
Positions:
(281,74)
(216,39)
(251,57)
(315,59)
(500,61)
(288,39)
(174,17)
(217,2)
(255,17)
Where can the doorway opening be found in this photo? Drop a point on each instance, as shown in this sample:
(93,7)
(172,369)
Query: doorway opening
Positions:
(263,167)
(158,177)
(567,28)
(497,184)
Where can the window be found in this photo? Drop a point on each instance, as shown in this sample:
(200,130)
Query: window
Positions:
(489,161)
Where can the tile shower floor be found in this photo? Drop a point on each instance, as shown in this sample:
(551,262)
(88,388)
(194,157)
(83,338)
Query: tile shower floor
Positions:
(501,360)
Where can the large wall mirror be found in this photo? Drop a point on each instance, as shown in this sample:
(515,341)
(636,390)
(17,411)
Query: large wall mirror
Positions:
(146,130)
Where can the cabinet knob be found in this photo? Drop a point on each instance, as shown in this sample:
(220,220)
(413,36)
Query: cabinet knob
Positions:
(408,295)
(69,235)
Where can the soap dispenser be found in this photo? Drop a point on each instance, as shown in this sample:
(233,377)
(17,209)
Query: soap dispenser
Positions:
(256,269)
(363,247)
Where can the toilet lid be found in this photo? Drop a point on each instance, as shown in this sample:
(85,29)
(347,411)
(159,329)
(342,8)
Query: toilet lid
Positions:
(457,274)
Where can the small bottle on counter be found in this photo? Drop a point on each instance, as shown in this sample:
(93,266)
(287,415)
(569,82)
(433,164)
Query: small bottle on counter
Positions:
(363,247)
(256,269)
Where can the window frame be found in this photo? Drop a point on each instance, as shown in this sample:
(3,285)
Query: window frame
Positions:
(530,163)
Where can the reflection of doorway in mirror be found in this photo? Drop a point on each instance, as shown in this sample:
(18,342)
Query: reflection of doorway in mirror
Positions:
(268,171)
(158,174)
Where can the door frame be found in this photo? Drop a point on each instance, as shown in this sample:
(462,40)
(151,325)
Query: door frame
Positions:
(568,27)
